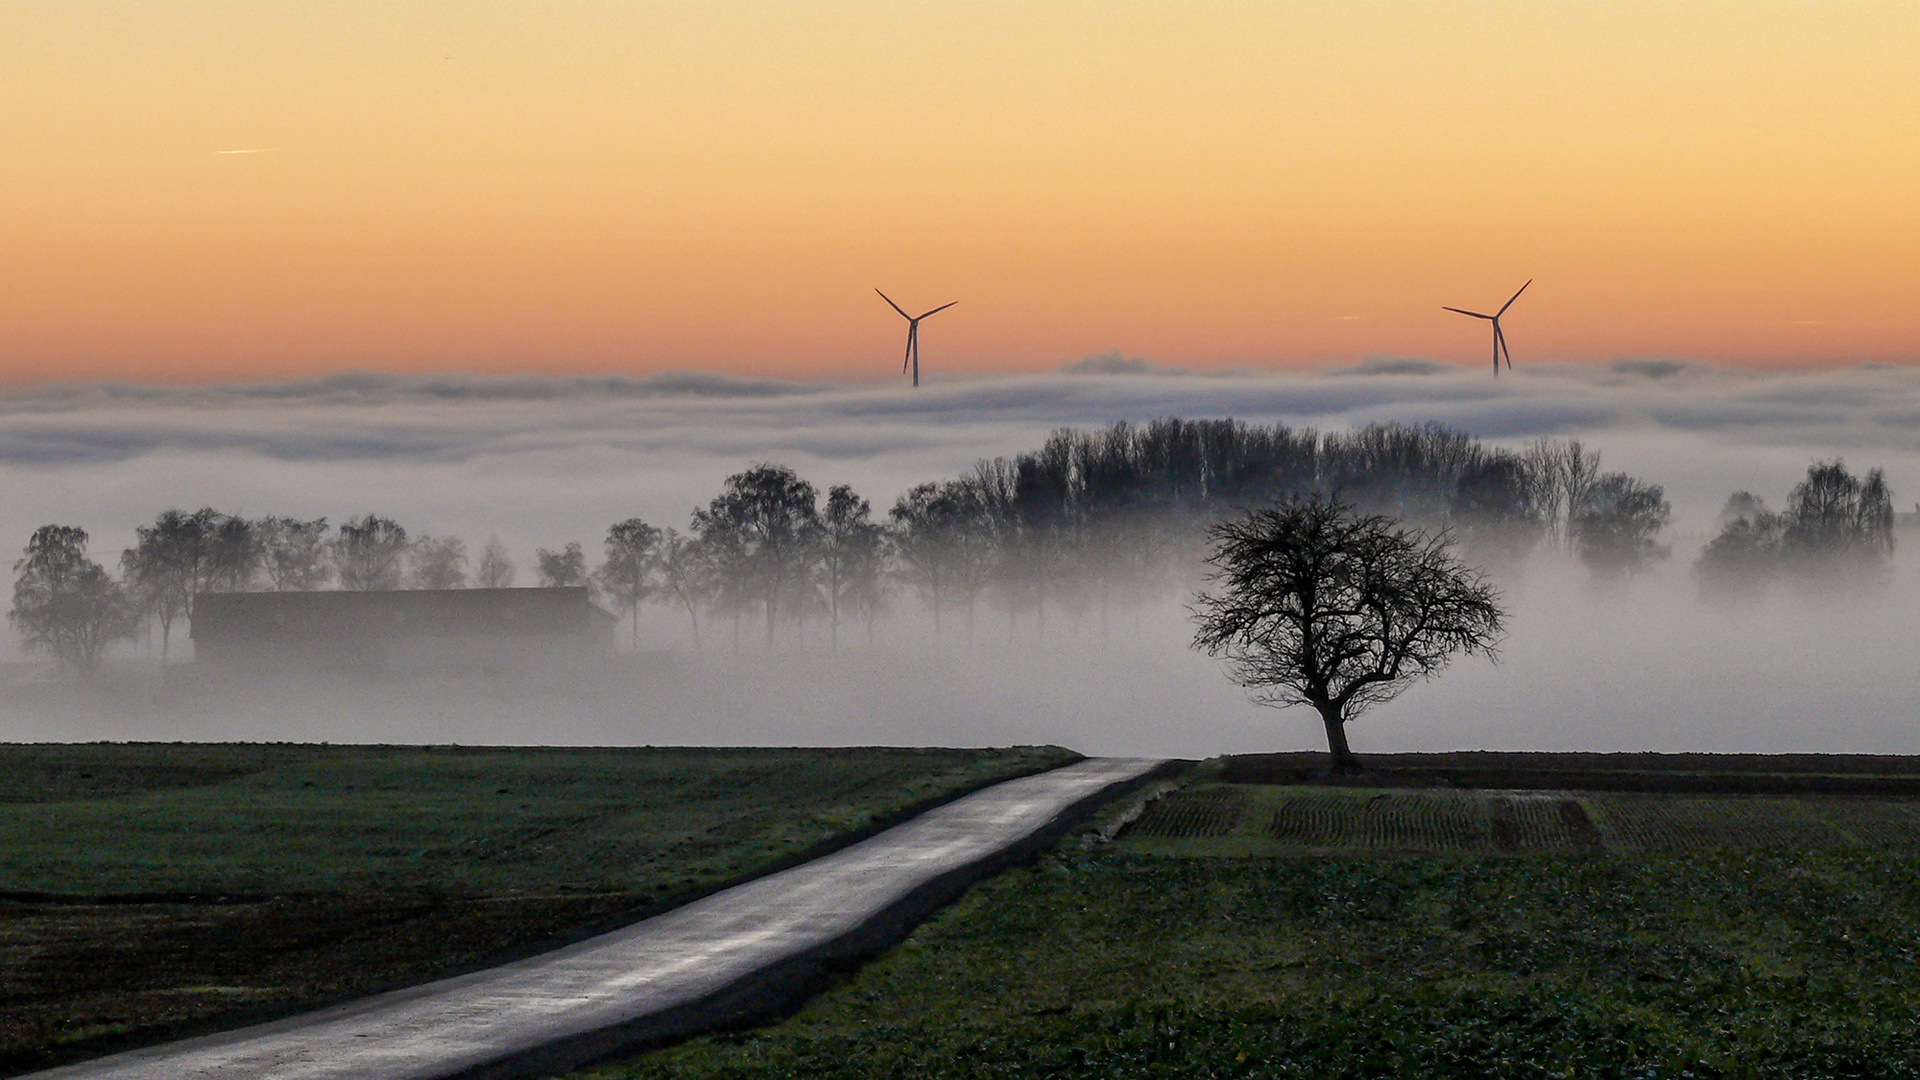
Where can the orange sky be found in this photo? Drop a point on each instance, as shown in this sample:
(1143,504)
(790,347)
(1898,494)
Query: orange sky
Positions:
(630,187)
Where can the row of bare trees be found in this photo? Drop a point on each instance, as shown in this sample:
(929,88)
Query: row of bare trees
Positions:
(1091,519)
(1086,521)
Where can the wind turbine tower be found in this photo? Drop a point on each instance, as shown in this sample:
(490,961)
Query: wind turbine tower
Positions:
(1499,339)
(913,334)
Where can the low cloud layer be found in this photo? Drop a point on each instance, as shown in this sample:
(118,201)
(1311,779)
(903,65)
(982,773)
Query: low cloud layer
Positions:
(543,461)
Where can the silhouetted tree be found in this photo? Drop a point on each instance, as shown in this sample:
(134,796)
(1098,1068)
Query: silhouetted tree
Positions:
(759,534)
(683,578)
(1318,605)
(627,573)
(926,532)
(496,568)
(168,565)
(64,602)
(294,553)
(367,553)
(1839,528)
(1494,514)
(1618,526)
(1402,470)
(437,562)
(233,554)
(1562,474)
(563,568)
(848,539)
(1744,557)
(869,582)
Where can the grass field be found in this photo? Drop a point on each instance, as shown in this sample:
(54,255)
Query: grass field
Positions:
(1277,931)
(146,890)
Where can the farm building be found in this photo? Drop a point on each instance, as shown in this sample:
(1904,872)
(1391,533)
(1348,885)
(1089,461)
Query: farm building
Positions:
(401,630)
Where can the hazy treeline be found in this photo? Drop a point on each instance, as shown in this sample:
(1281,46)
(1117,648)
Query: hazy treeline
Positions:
(1835,533)
(1088,522)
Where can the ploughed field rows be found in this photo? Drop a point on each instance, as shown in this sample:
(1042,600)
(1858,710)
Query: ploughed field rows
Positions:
(1700,774)
(1246,819)
(148,891)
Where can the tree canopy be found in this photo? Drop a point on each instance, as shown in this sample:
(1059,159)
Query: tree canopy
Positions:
(1315,604)
(64,602)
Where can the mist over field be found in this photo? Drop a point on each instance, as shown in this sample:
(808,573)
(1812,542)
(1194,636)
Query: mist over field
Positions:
(1637,666)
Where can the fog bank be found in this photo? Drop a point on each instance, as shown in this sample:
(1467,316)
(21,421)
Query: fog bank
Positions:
(1639,665)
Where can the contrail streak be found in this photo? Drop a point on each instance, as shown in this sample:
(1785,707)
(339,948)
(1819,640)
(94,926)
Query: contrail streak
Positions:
(260,150)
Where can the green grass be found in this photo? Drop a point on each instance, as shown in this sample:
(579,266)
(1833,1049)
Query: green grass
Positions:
(147,889)
(466,821)
(1733,959)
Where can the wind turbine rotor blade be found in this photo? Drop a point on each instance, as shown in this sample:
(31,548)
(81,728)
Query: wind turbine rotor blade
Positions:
(908,357)
(893,305)
(937,310)
(1464,311)
(1516,296)
(1500,339)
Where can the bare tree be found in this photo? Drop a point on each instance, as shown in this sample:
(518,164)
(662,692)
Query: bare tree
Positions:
(496,567)
(168,565)
(233,553)
(977,527)
(926,535)
(627,573)
(849,547)
(760,530)
(1742,560)
(1839,527)
(869,582)
(65,603)
(683,576)
(1562,474)
(367,554)
(437,562)
(1320,606)
(1617,530)
(1494,514)
(564,568)
(294,553)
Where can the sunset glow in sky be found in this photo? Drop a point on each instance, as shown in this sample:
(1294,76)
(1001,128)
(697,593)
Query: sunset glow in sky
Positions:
(588,187)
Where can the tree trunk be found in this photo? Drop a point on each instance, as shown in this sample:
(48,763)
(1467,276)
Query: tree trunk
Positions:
(1343,759)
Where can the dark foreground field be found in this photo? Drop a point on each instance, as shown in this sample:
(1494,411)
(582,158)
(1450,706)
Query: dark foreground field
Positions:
(154,890)
(1314,931)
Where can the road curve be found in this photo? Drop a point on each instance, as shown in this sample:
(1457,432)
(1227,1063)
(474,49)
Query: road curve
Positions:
(737,953)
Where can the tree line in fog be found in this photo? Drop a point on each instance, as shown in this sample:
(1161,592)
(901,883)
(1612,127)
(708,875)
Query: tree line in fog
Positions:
(1089,521)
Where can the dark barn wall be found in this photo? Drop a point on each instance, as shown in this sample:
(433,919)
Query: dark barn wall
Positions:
(401,629)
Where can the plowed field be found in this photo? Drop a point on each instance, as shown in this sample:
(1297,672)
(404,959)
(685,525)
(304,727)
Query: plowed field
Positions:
(1233,819)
